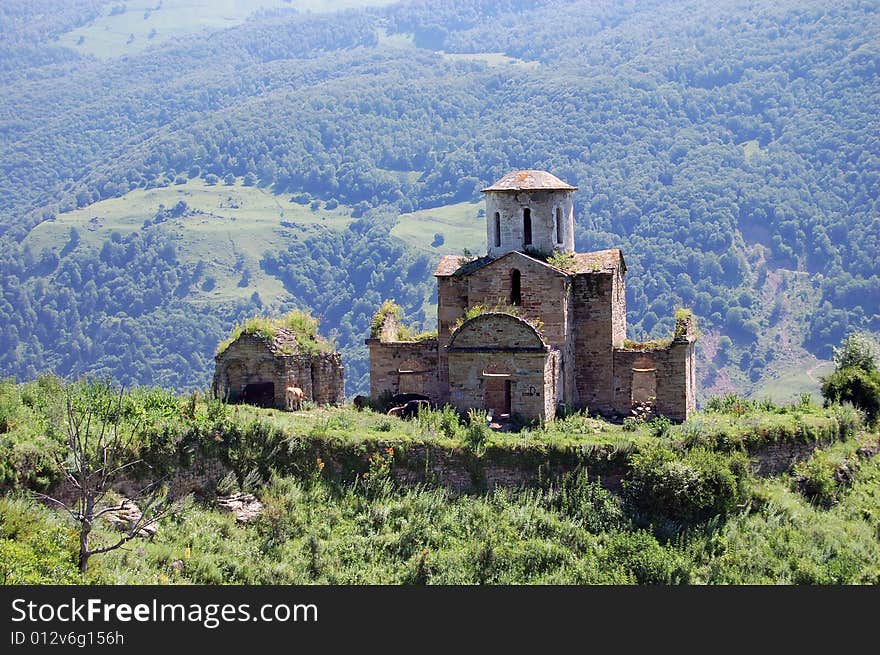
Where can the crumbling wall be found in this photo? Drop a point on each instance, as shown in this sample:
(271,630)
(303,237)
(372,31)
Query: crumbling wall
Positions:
(246,361)
(674,378)
(327,379)
(249,360)
(414,358)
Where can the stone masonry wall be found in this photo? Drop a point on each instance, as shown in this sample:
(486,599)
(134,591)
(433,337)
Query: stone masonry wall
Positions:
(544,293)
(543,205)
(596,309)
(452,303)
(328,379)
(500,342)
(529,393)
(388,358)
(249,360)
(673,375)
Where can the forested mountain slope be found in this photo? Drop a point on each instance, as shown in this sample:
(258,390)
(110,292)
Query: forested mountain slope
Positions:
(730,148)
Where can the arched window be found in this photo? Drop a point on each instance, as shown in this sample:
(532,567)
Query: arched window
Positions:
(515,288)
(527,227)
(558,225)
(497,229)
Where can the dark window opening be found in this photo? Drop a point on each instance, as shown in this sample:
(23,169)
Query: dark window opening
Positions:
(515,288)
(558,225)
(497,229)
(527,227)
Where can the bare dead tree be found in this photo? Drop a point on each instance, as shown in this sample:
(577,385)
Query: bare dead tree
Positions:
(97,452)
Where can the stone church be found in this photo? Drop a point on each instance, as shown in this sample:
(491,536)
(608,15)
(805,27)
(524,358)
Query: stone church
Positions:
(533,325)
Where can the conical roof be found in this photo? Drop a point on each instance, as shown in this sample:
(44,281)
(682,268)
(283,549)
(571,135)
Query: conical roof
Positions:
(530,181)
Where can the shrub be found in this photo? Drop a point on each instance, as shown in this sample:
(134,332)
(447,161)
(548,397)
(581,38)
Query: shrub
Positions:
(687,488)
(730,404)
(586,502)
(477,430)
(815,480)
(856,386)
(660,427)
(643,559)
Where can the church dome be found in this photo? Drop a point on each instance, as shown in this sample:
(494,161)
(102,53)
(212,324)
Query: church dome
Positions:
(530,181)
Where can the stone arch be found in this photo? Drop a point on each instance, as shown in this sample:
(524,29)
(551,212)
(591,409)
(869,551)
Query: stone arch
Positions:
(497,330)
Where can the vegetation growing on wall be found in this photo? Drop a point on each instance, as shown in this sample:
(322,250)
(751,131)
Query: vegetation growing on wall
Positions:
(302,324)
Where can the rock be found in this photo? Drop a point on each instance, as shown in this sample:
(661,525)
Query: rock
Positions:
(124,519)
(244,506)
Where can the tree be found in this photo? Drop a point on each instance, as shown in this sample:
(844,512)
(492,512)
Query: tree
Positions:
(857,351)
(856,379)
(98,451)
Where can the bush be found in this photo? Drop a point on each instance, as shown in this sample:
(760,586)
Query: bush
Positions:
(587,503)
(687,488)
(643,559)
(477,430)
(856,386)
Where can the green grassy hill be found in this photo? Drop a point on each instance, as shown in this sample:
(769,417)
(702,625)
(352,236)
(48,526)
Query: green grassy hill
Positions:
(129,26)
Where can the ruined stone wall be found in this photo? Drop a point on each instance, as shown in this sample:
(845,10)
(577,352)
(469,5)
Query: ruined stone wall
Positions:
(552,384)
(298,373)
(452,303)
(544,293)
(596,310)
(246,361)
(387,359)
(328,379)
(543,205)
(618,308)
(674,379)
(249,360)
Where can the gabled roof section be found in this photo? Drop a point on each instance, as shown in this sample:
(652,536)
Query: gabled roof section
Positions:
(585,263)
(601,261)
(530,180)
(457,265)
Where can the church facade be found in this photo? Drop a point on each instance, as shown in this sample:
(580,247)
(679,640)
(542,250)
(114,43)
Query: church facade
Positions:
(533,325)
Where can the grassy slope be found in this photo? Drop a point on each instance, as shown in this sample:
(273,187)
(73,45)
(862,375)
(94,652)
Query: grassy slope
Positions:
(459,224)
(149,22)
(317,531)
(229,222)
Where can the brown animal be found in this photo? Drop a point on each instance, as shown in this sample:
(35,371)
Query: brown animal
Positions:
(294,397)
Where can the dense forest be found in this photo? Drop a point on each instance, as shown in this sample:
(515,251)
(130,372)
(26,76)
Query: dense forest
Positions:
(724,146)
